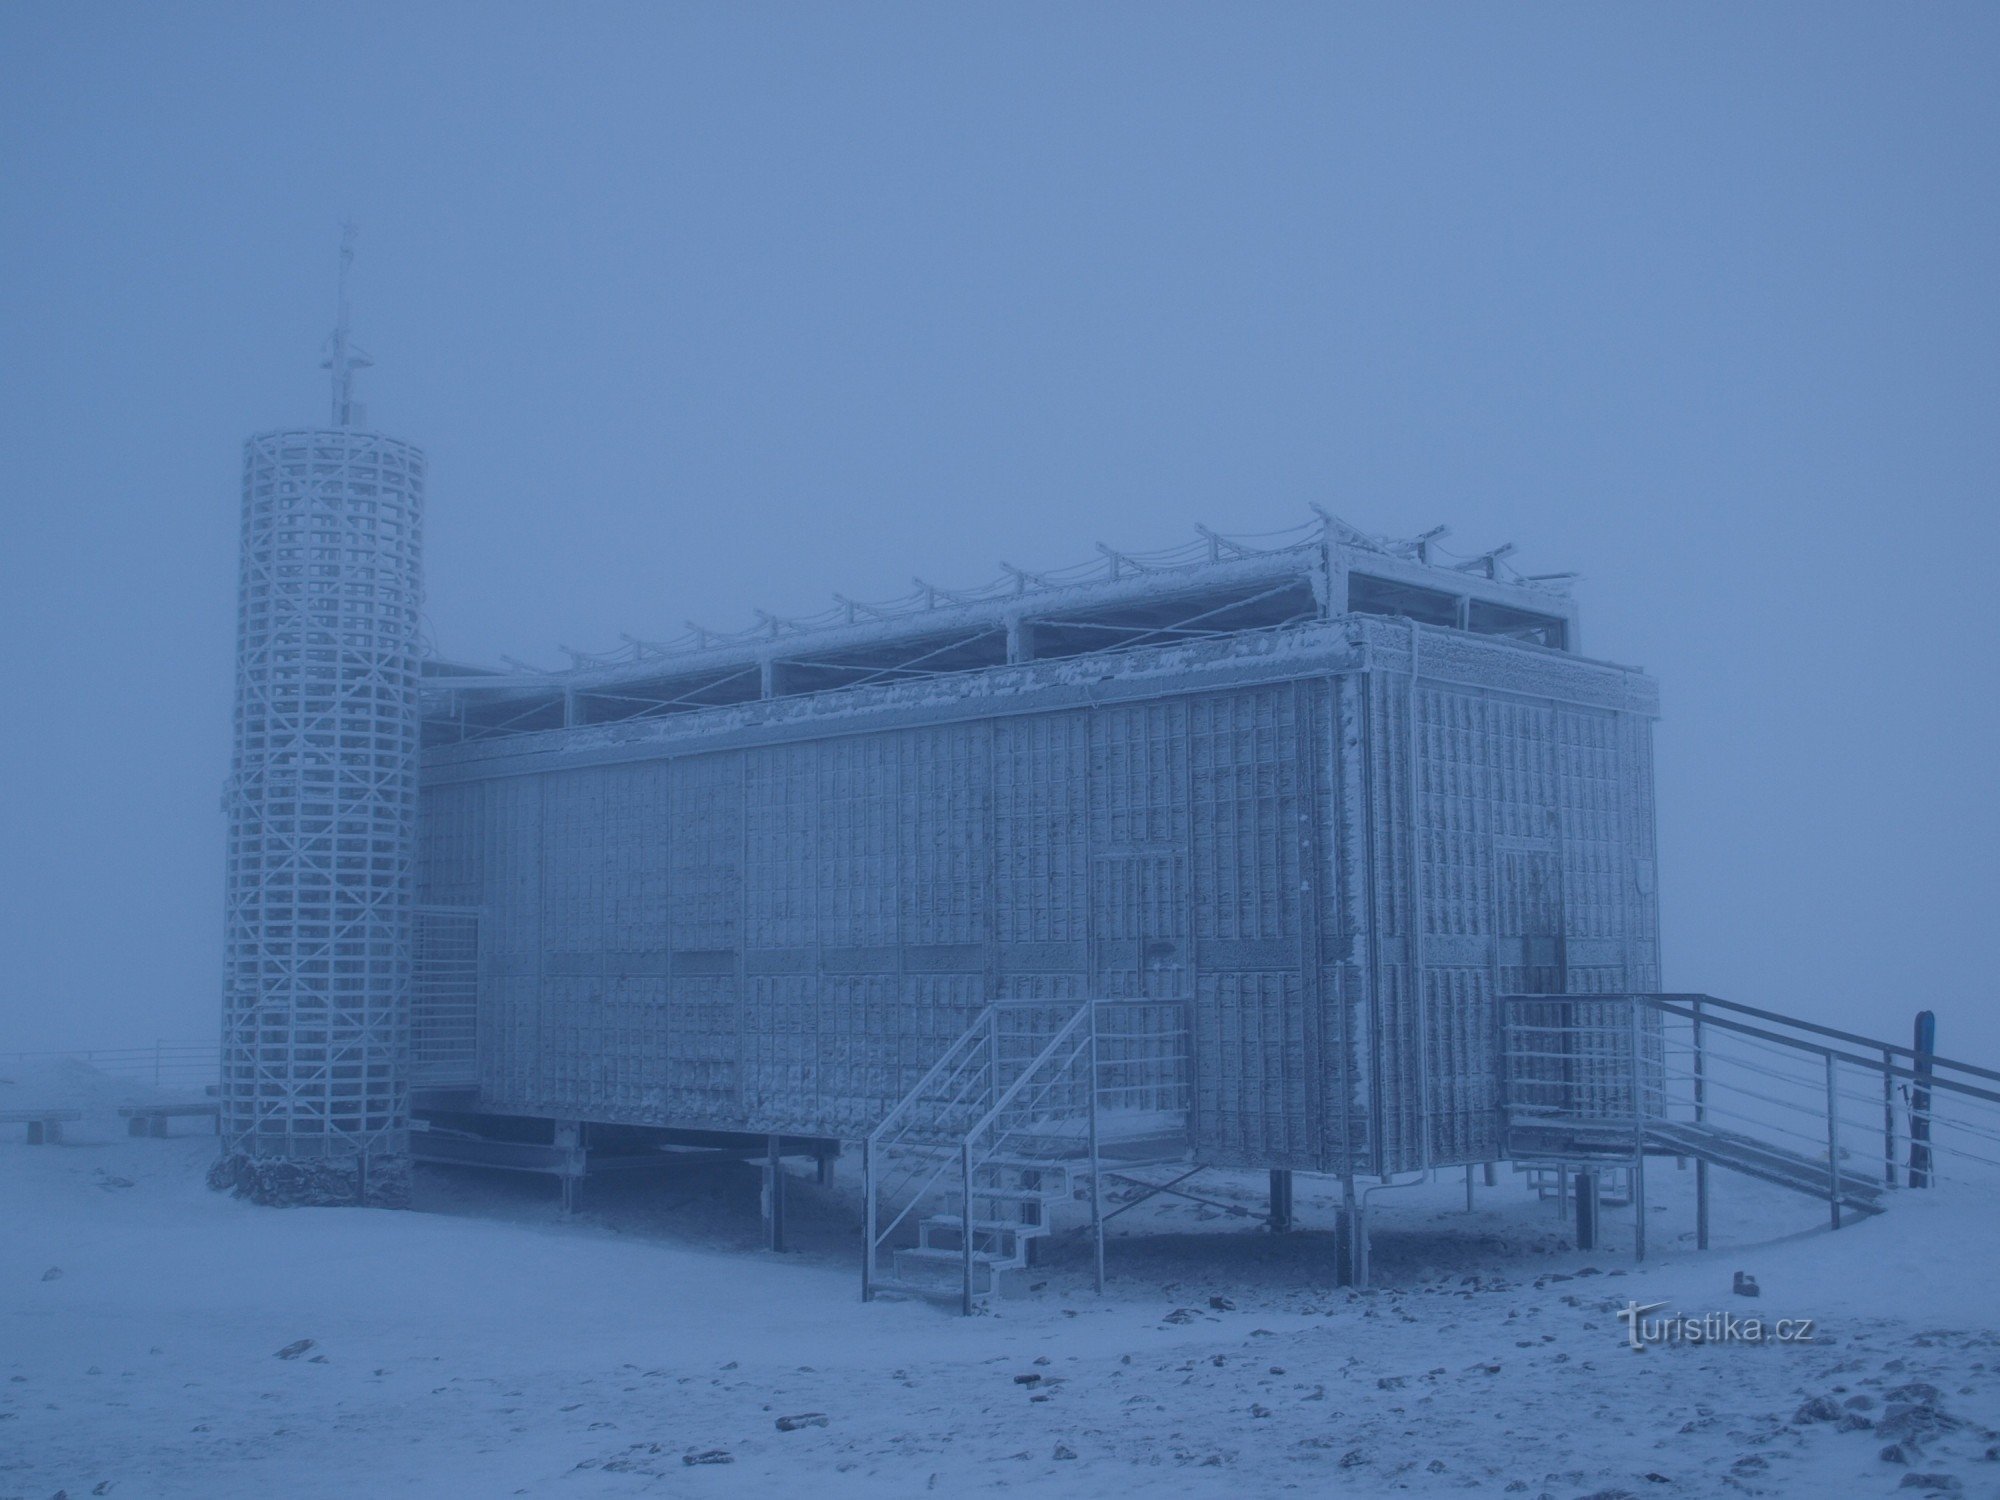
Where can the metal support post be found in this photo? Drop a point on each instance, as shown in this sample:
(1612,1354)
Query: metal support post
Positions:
(965,1224)
(1920,1100)
(774,1192)
(1096,1165)
(569,1138)
(1491,1171)
(1281,1219)
(1586,1209)
(1888,1119)
(1700,1118)
(1833,1138)
(1361,1245)
(1346,1271)
(1639,1206)
(1640,1104)
(1468,1187)
(868,1222)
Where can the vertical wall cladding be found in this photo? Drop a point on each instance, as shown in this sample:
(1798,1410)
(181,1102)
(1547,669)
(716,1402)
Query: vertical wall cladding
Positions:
(574,891)
(1137,876)
(1346,902)
(781,932)
(630,1001)
(1517,815)
(860,892)
(1040,865)
(945,814)
(449,821)
(1460,803)
(1257,1039)
(511,948)
(1139,837)
(1635,760)
(1597,886)
(1400,1090)
(699,1076)
(786,937)
(1041,771)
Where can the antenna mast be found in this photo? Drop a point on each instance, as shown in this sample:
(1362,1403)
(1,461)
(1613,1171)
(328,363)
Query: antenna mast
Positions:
(343,358)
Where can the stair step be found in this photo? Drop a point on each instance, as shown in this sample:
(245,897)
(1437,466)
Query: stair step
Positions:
(932,1255)
(930,1291)
(1014,1227)
(1018,1195)
(945,1269)
(1044,1168)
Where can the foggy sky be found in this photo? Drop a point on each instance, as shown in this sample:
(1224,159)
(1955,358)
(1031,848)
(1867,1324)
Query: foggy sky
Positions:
(705,308)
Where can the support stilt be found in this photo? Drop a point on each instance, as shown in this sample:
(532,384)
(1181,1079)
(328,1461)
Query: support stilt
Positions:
(1586,1209)
(774,1194)
(1351,1239)
(569,1137)
(1639,1207)
(1700,1204)
(1281,1219)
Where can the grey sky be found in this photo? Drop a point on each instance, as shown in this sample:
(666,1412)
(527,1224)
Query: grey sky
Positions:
(710,307)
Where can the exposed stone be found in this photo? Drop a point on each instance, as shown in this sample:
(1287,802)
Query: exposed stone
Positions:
(336,1182)
(1916,1422)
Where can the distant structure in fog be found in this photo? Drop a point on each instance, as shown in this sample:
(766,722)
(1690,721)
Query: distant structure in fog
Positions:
(322,801)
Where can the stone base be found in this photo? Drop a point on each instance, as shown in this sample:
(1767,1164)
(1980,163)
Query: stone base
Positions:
(328,1182)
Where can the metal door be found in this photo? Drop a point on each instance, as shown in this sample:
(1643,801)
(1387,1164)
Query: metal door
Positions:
(1528,955)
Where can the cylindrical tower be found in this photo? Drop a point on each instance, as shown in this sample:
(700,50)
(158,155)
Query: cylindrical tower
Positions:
(322,806)
(322,819)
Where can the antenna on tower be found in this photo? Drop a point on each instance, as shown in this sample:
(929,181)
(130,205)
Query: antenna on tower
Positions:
(342,357)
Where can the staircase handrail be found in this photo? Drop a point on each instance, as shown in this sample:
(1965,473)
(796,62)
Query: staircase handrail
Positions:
(1673,1005)
(1873,1044)
(1877,1064)
(937,1070)
(1063,1032)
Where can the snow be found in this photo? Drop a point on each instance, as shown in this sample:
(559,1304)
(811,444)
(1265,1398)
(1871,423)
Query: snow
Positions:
(483,1347)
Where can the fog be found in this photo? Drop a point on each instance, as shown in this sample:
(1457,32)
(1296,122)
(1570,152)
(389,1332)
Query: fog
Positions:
(710,308)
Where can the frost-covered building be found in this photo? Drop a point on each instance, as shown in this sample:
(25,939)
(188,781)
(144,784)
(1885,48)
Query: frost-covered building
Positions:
(1309,804)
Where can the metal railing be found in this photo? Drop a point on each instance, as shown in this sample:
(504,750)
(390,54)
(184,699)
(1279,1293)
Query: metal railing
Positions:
(1843,1116)
(181,1066)
(1029,1082)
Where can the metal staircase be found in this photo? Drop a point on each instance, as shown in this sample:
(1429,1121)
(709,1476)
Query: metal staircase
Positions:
(1615,1079)
(1022,1116)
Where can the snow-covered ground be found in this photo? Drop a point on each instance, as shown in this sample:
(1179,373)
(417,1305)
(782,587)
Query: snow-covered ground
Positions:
(484,1348)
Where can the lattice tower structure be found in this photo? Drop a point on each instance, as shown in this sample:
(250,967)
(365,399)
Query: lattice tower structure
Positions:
(322,803)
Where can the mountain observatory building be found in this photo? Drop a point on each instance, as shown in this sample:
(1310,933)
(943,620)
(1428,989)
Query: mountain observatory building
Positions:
(1262,829)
